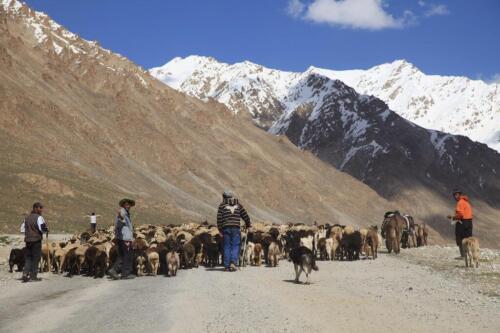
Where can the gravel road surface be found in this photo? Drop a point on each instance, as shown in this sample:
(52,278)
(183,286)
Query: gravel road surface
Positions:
(390,294)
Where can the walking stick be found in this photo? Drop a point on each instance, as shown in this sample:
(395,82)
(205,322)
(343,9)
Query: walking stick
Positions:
(48,252)
(243,262)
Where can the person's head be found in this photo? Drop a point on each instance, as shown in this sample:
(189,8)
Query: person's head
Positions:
(228,194)
(126,203)
(92,213)
(456,194)
(38,208)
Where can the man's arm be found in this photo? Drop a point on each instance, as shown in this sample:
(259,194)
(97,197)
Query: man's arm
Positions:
(41,225)
(219,218)
(244,216)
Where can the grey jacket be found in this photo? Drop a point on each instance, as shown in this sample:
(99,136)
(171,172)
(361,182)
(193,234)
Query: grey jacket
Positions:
(123,226)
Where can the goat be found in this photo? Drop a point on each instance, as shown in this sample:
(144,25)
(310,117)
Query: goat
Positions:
(471,250)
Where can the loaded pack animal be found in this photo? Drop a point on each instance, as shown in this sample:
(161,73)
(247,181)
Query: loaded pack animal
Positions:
(392,229)
(408,237)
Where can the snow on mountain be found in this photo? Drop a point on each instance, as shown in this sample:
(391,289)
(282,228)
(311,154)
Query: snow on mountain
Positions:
(55,40)
(357,133)
(455,105)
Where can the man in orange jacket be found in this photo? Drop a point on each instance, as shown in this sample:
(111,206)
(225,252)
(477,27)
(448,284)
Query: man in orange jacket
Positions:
(462,218)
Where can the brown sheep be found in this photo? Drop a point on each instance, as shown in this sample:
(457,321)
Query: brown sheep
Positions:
(173,263)
(273,253)
(140,259)
(258,253)
(422,234)
(153,260)
(371,244)
(471,250)
(336,236)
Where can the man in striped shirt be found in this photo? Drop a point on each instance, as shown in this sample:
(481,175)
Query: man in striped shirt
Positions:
(228,221)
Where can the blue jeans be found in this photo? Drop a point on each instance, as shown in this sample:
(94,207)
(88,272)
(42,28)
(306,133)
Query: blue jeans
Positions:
(232,238)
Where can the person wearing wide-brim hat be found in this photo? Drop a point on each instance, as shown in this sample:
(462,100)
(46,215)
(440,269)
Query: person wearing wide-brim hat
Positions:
(124,236)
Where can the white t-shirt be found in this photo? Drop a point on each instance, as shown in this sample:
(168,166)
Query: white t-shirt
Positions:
(23,227)
(40,221)
(93,219)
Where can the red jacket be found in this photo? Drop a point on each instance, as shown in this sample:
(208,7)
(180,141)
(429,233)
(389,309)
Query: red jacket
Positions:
(463,211)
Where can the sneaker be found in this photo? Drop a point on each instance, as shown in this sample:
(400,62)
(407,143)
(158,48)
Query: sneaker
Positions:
(227,269)
(25,279)
(35,279)
(128,277)
(233,267)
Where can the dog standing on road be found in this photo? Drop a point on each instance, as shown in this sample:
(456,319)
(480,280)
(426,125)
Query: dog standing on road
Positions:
(303,261)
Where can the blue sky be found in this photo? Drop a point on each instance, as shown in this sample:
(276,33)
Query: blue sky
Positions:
(456,37)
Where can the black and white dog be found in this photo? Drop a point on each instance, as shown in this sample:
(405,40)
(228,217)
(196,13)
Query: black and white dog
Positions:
(303,261)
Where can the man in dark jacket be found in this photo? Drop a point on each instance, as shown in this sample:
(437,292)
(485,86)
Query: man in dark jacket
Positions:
(124,236)
(34,227)
(228,221)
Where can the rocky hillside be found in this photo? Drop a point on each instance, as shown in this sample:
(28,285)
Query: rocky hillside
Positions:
(82,127)
(358,134)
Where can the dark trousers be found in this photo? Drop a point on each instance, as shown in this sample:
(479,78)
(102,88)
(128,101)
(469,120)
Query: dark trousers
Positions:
(232,239)
(462,230)
(124,262)
(32,258)
(93,227)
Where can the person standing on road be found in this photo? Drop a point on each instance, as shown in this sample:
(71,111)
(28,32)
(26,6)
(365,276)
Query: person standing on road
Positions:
(34,228)
(228,221)
(462,219)
(124,236)
(93,221)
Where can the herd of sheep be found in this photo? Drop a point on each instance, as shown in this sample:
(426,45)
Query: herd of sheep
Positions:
(163,250)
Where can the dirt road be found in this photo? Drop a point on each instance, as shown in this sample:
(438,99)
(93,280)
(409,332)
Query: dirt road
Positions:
(391,294)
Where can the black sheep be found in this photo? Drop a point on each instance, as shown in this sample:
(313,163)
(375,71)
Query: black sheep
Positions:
(17,257)
(351,245)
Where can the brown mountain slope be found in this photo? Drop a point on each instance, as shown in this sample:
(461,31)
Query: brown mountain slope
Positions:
(82,127)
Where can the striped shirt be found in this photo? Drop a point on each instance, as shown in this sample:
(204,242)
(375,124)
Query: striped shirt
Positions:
(229,214)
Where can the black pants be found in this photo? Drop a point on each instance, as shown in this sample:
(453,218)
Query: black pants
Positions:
(463,230)
(93,227)
(124,262)
(32,258)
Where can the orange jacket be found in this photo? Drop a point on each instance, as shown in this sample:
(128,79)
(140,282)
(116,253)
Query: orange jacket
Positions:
(463,211)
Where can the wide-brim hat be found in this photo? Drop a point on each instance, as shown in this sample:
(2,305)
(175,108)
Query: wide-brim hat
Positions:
(124,201)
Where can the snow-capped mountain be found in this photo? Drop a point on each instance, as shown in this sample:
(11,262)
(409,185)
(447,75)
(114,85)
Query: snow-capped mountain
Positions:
(456,105)
(452,104)
(357,133)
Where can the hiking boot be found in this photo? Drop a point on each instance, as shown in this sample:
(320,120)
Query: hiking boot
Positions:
(128,277)
(113,274)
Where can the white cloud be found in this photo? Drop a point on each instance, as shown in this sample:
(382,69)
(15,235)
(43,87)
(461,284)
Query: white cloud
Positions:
(357,14)
(437,9)
(295,8)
